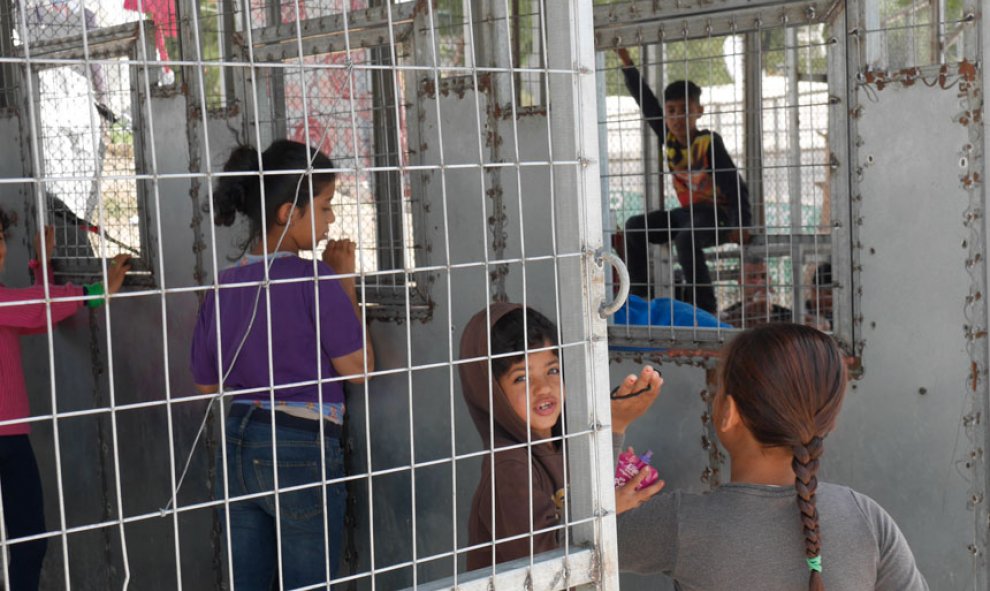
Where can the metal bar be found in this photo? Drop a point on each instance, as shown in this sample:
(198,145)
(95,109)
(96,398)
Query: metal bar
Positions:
(753,126)
(843,65)
(363,29)
(388,194)
(101,221)
(978,39)
(794,192)
(651,10)
(8,71)
(558,570)
(105,41)
(581,289)
(694,25)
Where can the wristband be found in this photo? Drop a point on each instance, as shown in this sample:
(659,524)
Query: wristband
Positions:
(94,289)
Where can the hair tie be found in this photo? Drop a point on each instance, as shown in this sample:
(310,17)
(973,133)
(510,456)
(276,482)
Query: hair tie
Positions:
(815,564)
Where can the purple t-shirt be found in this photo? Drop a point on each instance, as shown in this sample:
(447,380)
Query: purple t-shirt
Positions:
(293,337)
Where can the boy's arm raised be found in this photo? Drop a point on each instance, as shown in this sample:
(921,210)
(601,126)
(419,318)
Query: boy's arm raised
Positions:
(647,101)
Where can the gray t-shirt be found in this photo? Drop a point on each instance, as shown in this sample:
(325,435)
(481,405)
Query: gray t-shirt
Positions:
(748,536)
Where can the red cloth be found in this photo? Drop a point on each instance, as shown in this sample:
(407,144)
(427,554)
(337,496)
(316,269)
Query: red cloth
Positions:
(161,11)
(163,14)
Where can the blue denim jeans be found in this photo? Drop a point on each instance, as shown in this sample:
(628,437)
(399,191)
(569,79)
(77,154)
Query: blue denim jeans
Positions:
(301,514)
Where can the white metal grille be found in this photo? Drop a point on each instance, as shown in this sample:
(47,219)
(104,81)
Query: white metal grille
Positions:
(765,91)
(71,118)
(455,197)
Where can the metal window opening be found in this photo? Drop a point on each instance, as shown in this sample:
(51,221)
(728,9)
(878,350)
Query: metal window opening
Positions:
(356,108)
(768,78)
(88,153)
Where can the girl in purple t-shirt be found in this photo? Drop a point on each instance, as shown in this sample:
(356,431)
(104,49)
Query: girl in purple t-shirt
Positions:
(287,376)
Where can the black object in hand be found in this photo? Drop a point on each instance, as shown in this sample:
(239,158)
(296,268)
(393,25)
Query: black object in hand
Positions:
(614,394)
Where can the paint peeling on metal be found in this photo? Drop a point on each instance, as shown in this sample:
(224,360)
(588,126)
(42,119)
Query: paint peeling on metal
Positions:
(97,370)
(454,85)
(497,216)
(945,76)
(702,358)
(972,163)
(193,141)
(712,474)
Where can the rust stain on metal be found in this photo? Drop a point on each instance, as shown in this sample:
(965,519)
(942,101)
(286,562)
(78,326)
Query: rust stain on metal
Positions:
(524,112)
(497,218)
(493,139)
(485,83)
(967,71)
(971,180)
(427,88)
(456,86)
(693,353)
(964,74)
(908,76)
(707,358)
(421,8)
(711,475)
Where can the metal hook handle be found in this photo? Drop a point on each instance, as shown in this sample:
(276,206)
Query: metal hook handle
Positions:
(607,309)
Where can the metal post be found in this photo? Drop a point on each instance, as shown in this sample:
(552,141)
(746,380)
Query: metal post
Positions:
(753,86)
(792,104)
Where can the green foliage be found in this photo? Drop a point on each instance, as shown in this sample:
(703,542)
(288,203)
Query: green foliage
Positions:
(704,61)
(700,60)
(121,134)
(209,14)
(450,23)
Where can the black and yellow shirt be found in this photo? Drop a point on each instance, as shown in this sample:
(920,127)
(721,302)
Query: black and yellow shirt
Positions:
(702,173)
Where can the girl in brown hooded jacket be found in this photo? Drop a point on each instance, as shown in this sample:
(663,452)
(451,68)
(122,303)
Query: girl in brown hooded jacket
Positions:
(505,427)
(525,390)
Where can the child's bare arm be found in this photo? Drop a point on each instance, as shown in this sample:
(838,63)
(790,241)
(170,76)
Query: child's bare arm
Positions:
(340,255)
(626,408)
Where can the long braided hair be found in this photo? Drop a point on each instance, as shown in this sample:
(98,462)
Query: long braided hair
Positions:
(788,382)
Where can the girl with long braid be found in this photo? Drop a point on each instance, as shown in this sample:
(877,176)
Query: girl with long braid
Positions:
(780,391)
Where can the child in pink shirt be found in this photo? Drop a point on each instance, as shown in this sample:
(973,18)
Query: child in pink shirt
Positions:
(20,484)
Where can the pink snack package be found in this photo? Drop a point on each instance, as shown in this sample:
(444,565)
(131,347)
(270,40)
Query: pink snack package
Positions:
(629,466)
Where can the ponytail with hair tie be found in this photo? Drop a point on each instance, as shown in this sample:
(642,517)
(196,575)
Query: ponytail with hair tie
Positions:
(232,193)
(805,466)
(788,382)
(242,193)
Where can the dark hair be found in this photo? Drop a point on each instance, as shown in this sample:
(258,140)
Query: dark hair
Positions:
(508,336)
(788,382)
(682,90)
(823,275)
(6,220)
(242,193)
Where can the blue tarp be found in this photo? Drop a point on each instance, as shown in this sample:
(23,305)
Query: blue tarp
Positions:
(665,312)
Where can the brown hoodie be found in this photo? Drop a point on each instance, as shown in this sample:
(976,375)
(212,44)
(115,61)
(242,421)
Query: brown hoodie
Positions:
(513,495)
